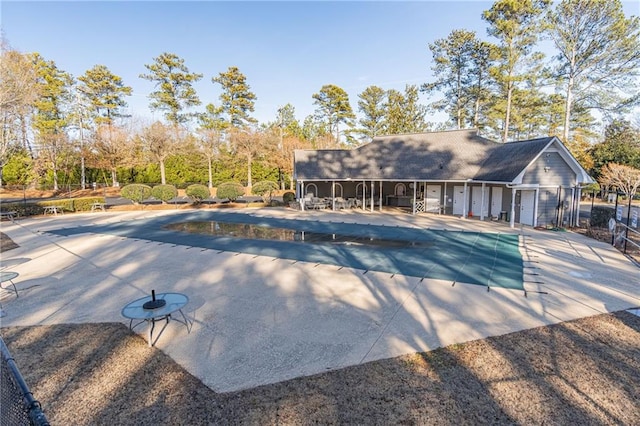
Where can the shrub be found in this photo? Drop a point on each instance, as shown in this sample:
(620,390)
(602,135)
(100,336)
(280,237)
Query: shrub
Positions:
(84,204)
(265,189)
(197,192)
(288,197)
(164,193)
(230,190)
(136,192)
(600,216)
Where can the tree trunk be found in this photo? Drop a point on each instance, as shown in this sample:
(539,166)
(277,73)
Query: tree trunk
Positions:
(55,178)
(505,134)
(567,110)
(163,179)
(210,172)
(249,184)
(476,113)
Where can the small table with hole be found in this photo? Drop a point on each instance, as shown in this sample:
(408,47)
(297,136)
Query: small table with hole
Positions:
(9,276)
(143,311)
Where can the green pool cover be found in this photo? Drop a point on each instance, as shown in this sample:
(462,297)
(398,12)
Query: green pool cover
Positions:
(487,259)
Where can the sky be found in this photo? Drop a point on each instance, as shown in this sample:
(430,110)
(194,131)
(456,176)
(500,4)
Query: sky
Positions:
(287,50)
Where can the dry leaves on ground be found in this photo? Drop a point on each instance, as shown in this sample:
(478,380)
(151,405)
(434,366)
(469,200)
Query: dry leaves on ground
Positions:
(581,372)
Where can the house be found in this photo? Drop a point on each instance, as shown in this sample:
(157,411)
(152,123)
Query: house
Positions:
(533,182)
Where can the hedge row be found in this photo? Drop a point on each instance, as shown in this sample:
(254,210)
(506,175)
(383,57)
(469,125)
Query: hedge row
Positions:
(68,205)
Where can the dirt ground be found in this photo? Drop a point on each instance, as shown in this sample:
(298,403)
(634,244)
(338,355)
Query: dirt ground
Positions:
(580,372)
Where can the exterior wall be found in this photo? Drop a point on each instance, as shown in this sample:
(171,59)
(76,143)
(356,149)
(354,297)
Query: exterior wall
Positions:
(549,170)
(554,206)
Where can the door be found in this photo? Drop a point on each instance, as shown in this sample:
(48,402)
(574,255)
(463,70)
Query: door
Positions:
(458,200)
(527,204)
(478,197)
(496,201)
(433,196)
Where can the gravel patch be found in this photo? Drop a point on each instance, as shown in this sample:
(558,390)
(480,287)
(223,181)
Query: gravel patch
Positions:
(581,372)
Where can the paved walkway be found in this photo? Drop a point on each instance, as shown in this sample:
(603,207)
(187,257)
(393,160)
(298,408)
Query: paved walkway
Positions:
(261,319)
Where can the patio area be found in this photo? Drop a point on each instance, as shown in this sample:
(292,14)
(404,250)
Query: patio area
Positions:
(262,318)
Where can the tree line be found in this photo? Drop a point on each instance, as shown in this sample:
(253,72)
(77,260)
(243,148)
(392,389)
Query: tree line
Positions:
(60,129)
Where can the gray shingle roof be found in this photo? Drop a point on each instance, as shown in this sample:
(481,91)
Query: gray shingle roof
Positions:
(450,155)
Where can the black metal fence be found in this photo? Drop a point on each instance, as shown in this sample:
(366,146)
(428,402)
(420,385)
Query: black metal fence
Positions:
(17,405)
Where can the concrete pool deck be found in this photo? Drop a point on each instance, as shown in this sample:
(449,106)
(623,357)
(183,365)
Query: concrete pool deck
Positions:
(260,319)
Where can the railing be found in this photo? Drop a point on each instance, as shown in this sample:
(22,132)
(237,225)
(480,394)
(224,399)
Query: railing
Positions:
(17,404)
(623,235)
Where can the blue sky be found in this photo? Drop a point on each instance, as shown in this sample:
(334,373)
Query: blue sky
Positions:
(287,50)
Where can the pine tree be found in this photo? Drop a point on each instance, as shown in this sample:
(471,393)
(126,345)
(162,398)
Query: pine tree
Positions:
(174,88)
(333,108)
(598,63)
(105,92)
(237,99)
(371,105)
(516,24)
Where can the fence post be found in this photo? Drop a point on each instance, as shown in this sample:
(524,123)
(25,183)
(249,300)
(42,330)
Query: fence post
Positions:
(626,231)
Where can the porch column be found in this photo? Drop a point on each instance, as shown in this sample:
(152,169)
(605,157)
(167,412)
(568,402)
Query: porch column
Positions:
(333,195)
(372,196)
(364,195)
(578,198)
(535,208)
(484,185)
(380,206)
(301,197)
(512,218)
(444,199)
(414,196)
(465,201)
(573,207)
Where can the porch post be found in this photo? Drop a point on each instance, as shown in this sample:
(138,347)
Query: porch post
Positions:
(364,195)
(301,198)
(465,201)
(380,206)
(414,196)
(578,198)
(372,183)
(512,218)
(535,209)
(484,186)
(444,199)
(333,195)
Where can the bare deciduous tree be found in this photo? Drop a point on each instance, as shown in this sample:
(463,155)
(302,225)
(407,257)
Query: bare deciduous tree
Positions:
(621,177)
(159,143)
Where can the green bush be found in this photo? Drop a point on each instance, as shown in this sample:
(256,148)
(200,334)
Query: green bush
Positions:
(288,197)
(230,190)
(164,193)
(136,192)
(84,204)
(600,216)
(264,189)
(197,192)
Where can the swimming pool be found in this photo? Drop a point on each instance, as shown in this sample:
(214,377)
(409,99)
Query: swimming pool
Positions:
(487,259)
